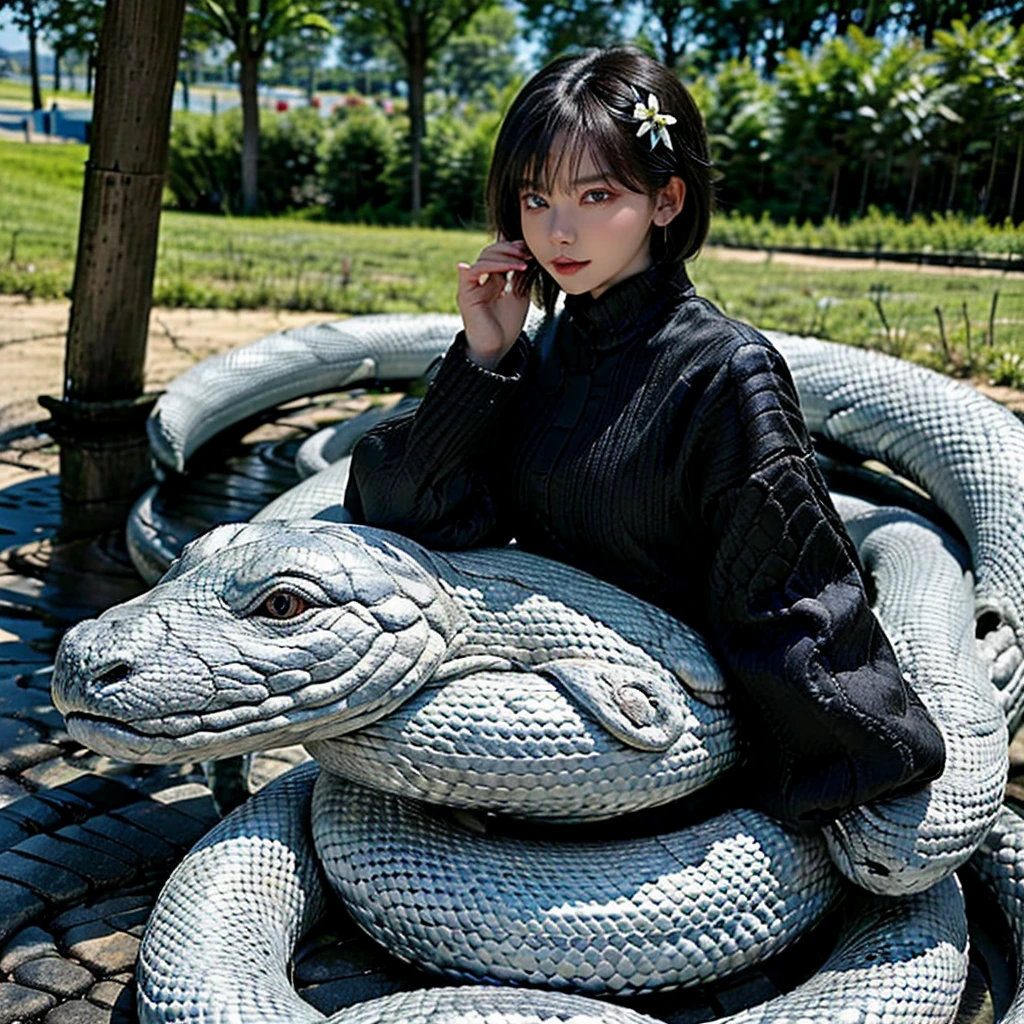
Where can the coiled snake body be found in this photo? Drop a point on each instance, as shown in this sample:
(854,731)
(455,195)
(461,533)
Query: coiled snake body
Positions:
(497,681)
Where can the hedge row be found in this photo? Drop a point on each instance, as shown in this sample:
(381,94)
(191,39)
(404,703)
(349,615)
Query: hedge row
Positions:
(876,231)
(355,167)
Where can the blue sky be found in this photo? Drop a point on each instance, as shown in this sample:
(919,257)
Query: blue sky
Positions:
(12,39)
(15,41)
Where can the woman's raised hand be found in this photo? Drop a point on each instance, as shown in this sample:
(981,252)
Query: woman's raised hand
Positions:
(493,310)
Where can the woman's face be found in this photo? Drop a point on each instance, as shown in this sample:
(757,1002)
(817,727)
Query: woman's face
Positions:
(591,232)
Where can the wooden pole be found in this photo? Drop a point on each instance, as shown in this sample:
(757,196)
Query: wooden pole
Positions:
(100,421)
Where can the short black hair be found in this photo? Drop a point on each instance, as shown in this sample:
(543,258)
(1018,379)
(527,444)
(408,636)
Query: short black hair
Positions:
(588,100)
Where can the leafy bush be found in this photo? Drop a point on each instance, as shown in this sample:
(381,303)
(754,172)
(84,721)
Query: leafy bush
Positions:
(204,168)
(456,156)
(204,172)
(877,231)
(1007,368)
(290,146)
(358,167)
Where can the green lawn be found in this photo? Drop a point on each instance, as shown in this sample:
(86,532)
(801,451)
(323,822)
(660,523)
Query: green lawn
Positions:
(23,93)
(231,262)
(239,262)
(892,310)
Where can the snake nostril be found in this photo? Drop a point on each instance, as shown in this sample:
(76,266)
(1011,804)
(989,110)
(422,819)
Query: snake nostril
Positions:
(987,622)
(116,673)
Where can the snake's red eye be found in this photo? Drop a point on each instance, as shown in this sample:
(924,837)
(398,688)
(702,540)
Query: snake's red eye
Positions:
(283,604)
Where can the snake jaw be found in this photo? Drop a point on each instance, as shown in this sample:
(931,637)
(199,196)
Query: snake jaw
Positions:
(113,739)
(193,669)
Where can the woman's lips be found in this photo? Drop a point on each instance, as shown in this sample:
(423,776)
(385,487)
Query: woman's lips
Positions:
(565,266)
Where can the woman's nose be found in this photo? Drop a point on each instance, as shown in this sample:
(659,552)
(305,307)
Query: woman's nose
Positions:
(561,230)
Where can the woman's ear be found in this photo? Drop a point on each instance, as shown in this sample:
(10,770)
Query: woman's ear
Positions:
(669,201)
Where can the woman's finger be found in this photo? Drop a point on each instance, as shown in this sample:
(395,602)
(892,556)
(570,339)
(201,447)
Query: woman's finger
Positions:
(481,271)
(497,265)
(513,250)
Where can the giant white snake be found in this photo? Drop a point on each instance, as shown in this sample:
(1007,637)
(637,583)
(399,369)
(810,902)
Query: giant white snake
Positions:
(965,451)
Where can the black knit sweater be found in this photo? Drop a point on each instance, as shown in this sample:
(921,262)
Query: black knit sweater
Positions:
(650,440)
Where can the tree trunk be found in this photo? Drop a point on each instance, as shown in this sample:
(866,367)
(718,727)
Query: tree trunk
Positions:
(183,78)
(417,64)
(1016,178)
(864,187)
(913,187)
(57,55)
(33,56)
(90,63)
(248,78)
(671,55)
(100,422)
(987,197)
(870,18)
(832,199)
(668,19)
(955,174)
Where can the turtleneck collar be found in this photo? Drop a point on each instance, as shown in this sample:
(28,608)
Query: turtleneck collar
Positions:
(631,307)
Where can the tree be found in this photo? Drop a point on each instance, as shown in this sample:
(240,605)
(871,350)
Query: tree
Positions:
(73,26)
(480,59)
(418,29)
(368,58)
(902,110)
(197,37)
(298,55)
(564,25)
(739,107)
(966,59)
(100,421)
(29,16)
(250,26)
(813,109)
(1008,72)
(733,30)
(675,24)
(925,17)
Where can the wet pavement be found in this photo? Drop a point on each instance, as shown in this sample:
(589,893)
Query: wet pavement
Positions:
(86,842)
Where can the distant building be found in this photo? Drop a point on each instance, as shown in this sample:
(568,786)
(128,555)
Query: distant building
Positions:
(8,65)
(18,63)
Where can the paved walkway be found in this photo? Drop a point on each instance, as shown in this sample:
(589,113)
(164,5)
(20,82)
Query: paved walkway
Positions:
(86,842)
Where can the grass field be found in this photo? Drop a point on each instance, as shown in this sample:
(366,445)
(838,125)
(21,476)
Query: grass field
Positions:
(303,264)
(23,93)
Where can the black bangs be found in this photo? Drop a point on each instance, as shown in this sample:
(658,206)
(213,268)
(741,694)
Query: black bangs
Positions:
(571,136)
(584,104)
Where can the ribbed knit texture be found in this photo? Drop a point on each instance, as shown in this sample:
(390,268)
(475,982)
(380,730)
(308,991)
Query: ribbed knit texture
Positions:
(654,442)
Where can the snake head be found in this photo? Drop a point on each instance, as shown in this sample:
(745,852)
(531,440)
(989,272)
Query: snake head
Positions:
(259,635)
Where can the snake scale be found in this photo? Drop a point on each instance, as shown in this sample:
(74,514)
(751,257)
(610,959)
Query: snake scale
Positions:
(609,706)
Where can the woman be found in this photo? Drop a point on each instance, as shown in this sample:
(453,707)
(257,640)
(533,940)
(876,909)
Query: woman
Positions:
(646,438)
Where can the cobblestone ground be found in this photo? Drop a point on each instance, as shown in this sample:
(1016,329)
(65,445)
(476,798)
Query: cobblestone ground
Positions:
(86,842)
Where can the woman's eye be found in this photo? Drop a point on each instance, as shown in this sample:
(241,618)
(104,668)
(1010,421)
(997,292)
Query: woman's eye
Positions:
(533,202)
(597,195)
(282,604)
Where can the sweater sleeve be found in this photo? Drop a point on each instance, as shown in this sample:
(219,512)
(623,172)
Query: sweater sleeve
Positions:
(421,474)
(829,720)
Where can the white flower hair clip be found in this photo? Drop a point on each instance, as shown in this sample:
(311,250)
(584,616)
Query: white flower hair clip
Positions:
(654,121)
